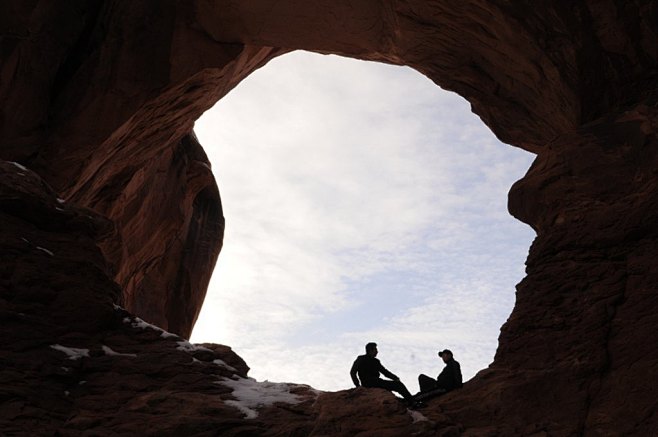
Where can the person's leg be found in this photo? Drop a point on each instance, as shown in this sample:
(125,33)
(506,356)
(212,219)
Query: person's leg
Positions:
(396,386)
(423,396)
(426,383)
(402,389)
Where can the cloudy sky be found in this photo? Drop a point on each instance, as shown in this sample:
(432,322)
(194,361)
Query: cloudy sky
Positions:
(363,203)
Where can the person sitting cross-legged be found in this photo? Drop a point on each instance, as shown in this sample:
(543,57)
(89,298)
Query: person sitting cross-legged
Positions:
(368,369)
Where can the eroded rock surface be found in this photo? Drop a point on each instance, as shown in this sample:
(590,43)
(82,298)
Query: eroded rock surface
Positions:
(100,98)
(111,201)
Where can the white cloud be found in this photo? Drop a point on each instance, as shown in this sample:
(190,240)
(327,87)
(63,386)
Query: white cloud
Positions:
(363,203)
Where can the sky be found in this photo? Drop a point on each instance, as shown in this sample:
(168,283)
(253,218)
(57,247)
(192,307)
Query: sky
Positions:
(363,203)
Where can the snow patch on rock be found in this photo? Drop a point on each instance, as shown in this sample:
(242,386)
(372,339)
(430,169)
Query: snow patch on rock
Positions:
(18,165)
(250,394)
(139,323)
(186,346)
(223,364)
(45,250)
(110,352)
(417,416)
(73,353)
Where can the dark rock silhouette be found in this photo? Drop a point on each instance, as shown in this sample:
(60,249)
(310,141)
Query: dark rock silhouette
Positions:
(98,105)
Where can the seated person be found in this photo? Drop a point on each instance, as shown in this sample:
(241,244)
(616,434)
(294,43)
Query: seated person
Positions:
(449,379)
(368,368)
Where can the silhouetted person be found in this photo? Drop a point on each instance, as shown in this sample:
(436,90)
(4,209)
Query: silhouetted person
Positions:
(450,377)
(368,368)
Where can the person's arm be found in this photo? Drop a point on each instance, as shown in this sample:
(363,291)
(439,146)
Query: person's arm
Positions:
(355,368)
(458,376)
(387,374)
(443,377)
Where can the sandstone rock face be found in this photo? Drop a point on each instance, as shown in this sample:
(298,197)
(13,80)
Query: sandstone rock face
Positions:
(98,105)
(100,99)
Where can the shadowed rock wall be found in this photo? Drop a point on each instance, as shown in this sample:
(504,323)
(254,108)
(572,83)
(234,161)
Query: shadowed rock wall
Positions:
(99,100)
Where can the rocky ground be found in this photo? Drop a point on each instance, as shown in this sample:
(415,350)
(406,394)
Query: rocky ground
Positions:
(75,363)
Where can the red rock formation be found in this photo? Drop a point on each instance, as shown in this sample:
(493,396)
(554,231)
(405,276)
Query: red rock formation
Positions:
(73,363)
(102,107)
(99,101)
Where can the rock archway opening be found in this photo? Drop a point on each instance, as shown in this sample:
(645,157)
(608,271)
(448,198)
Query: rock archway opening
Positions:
(363,203)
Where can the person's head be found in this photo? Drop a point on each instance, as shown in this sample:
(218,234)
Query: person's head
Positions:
(445,355)
(371,349)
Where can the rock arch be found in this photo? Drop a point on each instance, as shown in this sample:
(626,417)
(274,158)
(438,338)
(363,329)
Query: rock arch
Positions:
(99,99)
